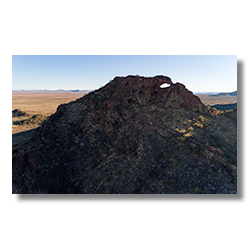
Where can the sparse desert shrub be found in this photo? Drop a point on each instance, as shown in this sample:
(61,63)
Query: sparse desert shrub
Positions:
(218,142)
(108,191)
(182,138)
(116,173)
(144,188)
(187,151)
(168,137)
(220,174)
(201,118)
(151,174)
(196,151)
(118,152)
(124,173)
(107,179)
(174,161)
(170,182)
(205,125)
(197,190)
(225,129)
(106,150)
(165,154)
(134,153)
(199,125)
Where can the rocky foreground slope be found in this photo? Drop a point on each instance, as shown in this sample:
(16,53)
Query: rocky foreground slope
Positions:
(131,136)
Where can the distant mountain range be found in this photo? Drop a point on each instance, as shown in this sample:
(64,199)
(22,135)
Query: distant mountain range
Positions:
(226,94)
(205,93)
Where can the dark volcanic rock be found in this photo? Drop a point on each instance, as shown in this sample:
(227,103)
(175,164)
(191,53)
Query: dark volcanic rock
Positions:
(131,136)
(144,91)
(18,113)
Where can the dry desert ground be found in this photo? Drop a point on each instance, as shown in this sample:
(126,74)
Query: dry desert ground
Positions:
(213,100)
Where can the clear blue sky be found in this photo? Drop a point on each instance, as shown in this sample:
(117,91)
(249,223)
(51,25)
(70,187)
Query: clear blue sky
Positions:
(198,73)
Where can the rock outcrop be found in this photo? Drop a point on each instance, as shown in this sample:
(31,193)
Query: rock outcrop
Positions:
(146,90)
(131,136)
(18,113)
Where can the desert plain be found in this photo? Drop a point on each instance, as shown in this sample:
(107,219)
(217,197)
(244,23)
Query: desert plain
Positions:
(214,100)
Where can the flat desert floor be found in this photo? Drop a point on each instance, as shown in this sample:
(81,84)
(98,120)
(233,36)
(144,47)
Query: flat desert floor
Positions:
(42,102)
(213,100)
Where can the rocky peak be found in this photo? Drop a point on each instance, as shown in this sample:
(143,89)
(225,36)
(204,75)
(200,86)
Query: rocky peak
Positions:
(143,82)
(147,90)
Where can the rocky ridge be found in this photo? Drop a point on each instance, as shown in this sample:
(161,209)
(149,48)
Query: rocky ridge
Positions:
(18,113)
(131,136)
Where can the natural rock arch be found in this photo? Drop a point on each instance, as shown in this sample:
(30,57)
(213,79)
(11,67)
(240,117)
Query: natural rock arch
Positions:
(165,85)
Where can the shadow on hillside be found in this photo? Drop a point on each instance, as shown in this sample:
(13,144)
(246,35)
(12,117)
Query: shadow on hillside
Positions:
(21,137)
(224,107)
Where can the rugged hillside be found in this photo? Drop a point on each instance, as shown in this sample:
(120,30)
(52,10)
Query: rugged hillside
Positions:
(131,136)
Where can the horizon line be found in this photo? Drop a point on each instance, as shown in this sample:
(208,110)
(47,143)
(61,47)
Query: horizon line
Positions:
(85,90)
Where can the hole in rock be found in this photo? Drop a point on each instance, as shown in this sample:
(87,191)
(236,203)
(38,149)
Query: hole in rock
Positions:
(165,85)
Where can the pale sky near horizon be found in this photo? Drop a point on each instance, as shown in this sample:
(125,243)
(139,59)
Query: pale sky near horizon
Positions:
(88,72)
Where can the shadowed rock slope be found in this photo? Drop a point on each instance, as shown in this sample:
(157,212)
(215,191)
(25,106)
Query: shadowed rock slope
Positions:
(131,136)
